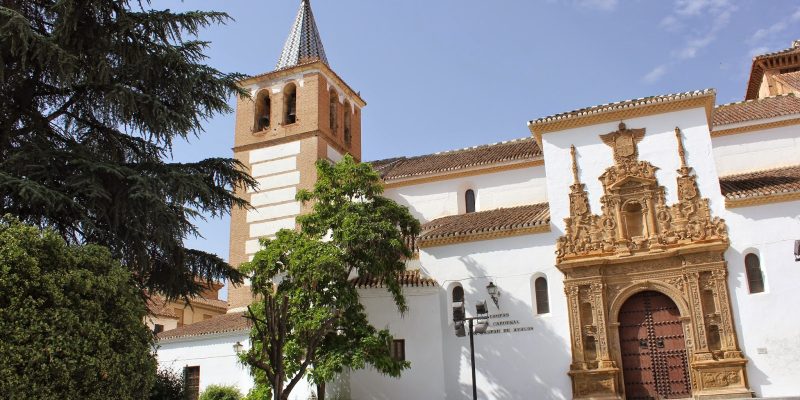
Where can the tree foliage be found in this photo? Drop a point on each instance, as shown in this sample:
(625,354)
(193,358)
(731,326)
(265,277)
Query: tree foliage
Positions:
(168,385)
(71,320)
(92,96)
(221,392)
(308,320)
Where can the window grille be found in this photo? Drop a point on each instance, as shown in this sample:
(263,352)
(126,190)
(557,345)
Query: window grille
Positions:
(399,349)
(542,299)
(755,277)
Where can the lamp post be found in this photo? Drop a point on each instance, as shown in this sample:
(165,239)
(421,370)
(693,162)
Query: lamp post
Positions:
(482,318)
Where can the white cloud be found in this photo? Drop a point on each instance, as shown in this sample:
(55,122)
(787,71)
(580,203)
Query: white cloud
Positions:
(656,74)
(712,15)
(765,34)
(671,24)
(606,5)
(698,7)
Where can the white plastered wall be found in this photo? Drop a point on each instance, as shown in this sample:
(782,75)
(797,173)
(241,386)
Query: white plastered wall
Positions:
(509,188)
(767,323)
(529,364)
(213,354)
(757,150)
(420,327)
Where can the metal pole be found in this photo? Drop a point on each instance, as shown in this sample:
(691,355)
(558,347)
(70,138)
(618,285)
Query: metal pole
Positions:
(472,355)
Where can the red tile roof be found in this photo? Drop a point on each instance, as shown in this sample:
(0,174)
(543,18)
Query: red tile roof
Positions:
(410,278)
(231,322)
(790,79)
(156,306)
(768,61)
(485,222)
(778,181)
(749,110)
(632,103)
(405,167)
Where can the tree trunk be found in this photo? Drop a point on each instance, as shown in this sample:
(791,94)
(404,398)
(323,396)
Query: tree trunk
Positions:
(321,391)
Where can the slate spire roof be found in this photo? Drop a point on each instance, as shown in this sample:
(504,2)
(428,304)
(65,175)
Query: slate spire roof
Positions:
(304,43)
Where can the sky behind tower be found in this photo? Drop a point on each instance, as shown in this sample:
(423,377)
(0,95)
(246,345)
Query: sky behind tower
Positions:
(446,74)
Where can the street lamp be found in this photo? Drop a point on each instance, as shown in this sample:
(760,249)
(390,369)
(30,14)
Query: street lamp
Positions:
(478,324)
(494,293)
(237,347)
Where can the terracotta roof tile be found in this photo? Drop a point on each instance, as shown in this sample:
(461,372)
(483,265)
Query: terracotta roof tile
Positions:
(795,47)
(232,322)
(483,222)
(603,108)
(763,61)
(410,278)
(404,167)
(749,110)
(790,79)
(771,182)
(157,306)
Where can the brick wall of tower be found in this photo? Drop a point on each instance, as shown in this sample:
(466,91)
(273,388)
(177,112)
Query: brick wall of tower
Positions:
(282,159)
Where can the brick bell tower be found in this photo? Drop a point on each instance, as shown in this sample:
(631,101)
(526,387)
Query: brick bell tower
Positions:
(297,114)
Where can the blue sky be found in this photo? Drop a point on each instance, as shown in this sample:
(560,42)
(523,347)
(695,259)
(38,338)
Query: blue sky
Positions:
(446,74)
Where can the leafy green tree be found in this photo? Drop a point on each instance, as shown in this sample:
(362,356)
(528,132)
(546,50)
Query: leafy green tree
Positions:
(71,321)
(308,320)
(168,386)
(93,93)
(221,392)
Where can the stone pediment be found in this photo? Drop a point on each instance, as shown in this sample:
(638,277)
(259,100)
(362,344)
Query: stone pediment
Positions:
(635,218)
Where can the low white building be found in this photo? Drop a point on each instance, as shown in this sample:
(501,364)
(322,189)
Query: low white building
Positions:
(640,249)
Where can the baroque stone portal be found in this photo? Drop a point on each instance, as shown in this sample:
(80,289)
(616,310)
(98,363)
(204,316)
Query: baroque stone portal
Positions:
(638,244)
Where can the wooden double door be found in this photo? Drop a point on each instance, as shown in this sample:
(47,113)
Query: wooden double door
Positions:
(654,358)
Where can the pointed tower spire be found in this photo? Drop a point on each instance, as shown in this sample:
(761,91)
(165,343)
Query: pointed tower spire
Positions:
(303,43)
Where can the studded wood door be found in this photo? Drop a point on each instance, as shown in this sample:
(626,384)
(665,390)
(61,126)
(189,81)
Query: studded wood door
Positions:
(654,361)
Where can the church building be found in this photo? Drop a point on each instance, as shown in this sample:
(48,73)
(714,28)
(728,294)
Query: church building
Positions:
(641,249)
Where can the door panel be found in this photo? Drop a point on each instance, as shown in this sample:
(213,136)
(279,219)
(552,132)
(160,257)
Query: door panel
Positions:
(654,362)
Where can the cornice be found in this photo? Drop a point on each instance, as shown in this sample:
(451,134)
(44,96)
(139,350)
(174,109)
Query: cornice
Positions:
(312,67)
(460,173)
(621,112)
(760,200)
(755,127)
(474,237)
(676,250)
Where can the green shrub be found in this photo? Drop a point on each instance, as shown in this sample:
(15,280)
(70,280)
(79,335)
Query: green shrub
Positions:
(168,386)
(221,392)
(71,319)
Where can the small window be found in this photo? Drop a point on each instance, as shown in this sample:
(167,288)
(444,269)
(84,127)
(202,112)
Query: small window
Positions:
(348,111)
(542,299)
(333,110)
(755,278)
(191,381)
(469,200)
(179,313)
(206,316)
(290,102)
(399,349)
(458,294)
(158,328)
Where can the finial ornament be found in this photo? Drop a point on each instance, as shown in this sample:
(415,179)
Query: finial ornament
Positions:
(681,150)
(574,164)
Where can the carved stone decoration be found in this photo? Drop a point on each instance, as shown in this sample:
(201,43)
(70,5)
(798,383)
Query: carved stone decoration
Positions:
(634,215)
(639,243)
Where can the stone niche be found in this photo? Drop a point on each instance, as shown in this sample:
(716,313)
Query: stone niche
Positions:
(637,244)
